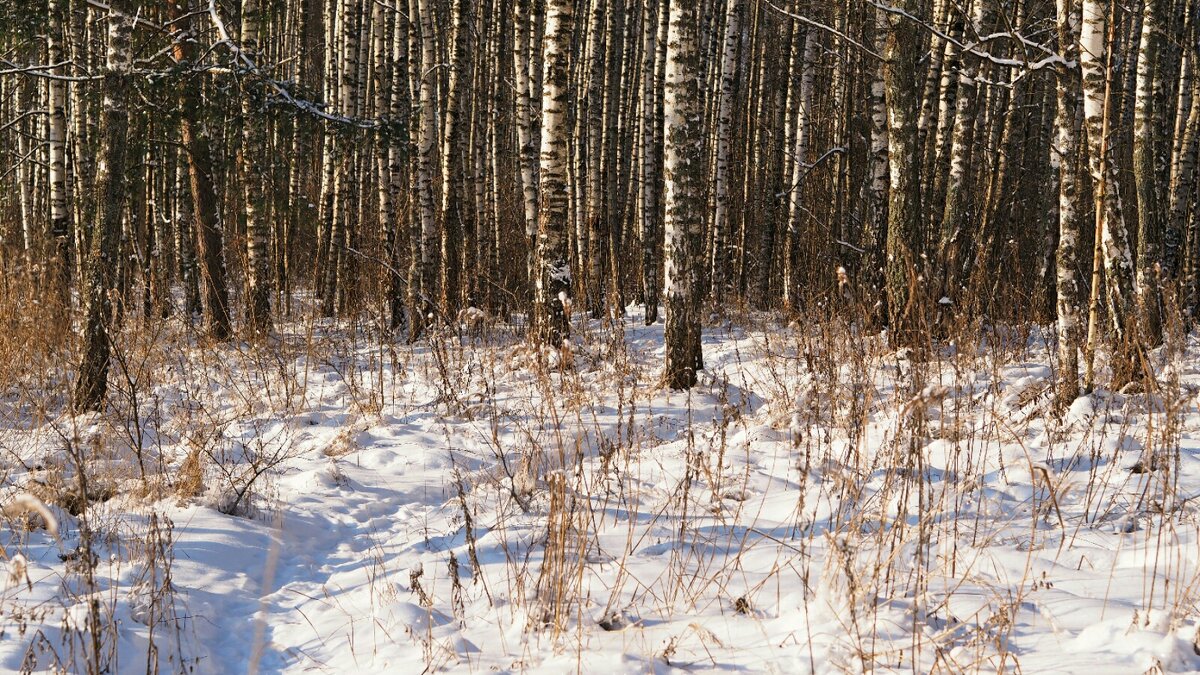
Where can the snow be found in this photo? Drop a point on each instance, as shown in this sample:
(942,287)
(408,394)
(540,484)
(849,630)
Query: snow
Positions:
(816,504)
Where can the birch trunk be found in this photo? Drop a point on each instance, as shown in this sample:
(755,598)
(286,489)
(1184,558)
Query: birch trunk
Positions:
(91,387)
(1145,174)
(258,260)
(382,39)
(527,67)
(798,166)
(683,164)
(904,270)
(60,224)
(654,17)
(1064,156)
(1113,249)
(590,149)
(952,231)
(553,281)
(729,71)
(185,233)
(398,163)
(422,271)
(1181,152)
(456,121)
(876,221)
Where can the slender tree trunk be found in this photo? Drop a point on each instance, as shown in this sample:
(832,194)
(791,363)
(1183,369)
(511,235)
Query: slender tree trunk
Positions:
(953,225)
(615,192)
(526,61)
(720,272)
(798,165)
(1064,155)
(91,386)
(904,271)
(935,167)
(1182,154)
(196,141)
(1145,175)
(1114,248)
(399,139)
(258,260)
(875,226)
(928,120)
(25,174)
(382,36)
(454,211)
(1183,205)
(651,161)
(589,149)
(553,281)
(683,166)
(330,146)
(82,164)
(422,272)
(60,225)
(185,242)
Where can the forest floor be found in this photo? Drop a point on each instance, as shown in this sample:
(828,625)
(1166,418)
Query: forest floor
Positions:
(331,501)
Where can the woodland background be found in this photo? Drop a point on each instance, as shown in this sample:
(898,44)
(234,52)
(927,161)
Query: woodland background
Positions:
(917,161)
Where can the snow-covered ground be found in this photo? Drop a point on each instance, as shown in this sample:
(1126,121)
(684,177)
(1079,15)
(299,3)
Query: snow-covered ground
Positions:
(333,502)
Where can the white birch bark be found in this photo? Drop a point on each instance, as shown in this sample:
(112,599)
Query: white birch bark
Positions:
(651,157)
(60,224)
(683,162)
(552,289)
(258,271)
(963,142)
(1145,174)
(524,22)
(1114,251)
(1064,158)
(799,166)
(422,272)
(876,220)
(729,62)
(455,213)
(91,386)
(904,269)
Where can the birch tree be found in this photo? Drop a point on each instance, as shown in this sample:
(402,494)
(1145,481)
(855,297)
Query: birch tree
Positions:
(454,208)
(91,386)
(527,61)
(60,225)
(683,166)
(875,221)
(1183,160)
(552,291)
(1064,156)
(953,229)
(798,164)
(1145,174)
(904,268)
(656,13)
(1113,249)
(258,271)
(421,276)
(729,66)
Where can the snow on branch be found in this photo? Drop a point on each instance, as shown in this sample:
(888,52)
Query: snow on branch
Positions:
(279,88)
(1051,59)
(825,27)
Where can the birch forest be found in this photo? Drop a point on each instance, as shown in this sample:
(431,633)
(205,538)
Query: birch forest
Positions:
(599,335)
(909,165)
